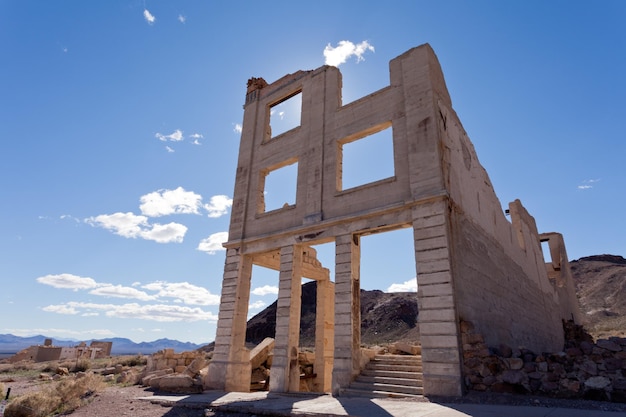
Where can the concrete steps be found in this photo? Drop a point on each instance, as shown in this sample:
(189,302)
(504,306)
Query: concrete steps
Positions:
(398,376)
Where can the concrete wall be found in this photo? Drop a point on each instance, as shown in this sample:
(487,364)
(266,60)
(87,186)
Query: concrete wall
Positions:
(471,262)
(501,279)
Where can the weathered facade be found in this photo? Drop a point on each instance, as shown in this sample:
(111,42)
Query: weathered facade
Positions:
(472,263)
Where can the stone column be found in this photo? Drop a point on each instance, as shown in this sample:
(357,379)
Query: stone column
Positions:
(347,311)
(324,335)
(437,319)
(285,372)
(230,367)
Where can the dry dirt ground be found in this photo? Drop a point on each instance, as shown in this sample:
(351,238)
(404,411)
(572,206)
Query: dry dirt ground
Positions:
(120,401)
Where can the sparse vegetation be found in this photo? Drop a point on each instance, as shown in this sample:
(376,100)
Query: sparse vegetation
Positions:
(57,394)
(62,397)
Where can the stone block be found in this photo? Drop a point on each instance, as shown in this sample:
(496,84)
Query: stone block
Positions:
(405,347)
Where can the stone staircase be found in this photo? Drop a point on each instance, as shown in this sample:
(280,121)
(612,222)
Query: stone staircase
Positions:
(398,376)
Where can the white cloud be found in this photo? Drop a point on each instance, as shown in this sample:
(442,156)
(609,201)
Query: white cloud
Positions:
(69,217)
(166,202)
(587,184)
(213,243)
(176,136)
(123,224)
(238,128)
(68,281)
(344,50)
(61,309)
(218,205)
(165,233)
(406,286)
(185,292)
(130,225)
(154,312)
(119,291)
(196,138)
(169,149)
(181,18)
(265,290)
(256,305)
(148,16)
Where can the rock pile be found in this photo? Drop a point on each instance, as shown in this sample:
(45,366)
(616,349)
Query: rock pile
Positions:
(584,369)
(175,372)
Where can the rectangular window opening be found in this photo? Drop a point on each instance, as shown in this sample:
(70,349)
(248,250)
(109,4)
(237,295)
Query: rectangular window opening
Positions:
(366,159)
(279,186)
(285,115)
(545,248)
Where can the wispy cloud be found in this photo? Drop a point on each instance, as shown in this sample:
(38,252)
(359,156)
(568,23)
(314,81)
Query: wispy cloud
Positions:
(169,149)
(265,290)
(406,286)
(180,292)
(149,16)
(68,281)
(257,305)
(175,136)
(587,184)
(213,243)
(130,225)
(183,292)
(196,138)
(237,128)
(182,18)
(153,312)
(98,333)
(119,291)
(166,202)
(344,50)
(156,204)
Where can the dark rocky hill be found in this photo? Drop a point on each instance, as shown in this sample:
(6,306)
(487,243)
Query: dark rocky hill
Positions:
(601,290)
(385,317)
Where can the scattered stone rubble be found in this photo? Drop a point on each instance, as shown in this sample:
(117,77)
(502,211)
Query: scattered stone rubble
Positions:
(176,372)
(584,369)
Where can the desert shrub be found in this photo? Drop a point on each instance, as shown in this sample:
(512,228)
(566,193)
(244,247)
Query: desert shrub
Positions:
(81,365)
(138,360)
(62,397)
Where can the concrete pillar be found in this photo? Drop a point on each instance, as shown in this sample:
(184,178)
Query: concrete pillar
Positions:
(285,372)
(437,319)
(324,335)
(347,311)
(230,367)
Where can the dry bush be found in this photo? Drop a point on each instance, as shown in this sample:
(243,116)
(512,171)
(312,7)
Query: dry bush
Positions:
(131,361)
(62,397)
(81,365)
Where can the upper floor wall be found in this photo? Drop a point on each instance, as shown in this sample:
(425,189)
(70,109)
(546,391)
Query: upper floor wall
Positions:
(406,111)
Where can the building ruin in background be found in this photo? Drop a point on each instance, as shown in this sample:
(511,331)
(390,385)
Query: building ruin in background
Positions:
(471,262)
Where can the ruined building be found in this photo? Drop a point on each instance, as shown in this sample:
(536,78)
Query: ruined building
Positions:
(472,262)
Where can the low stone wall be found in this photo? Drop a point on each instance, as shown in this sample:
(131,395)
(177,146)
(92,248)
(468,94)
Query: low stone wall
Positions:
(167,358)
(584,369)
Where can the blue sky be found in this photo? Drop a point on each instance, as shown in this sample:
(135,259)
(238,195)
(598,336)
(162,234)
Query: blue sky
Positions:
(120,122)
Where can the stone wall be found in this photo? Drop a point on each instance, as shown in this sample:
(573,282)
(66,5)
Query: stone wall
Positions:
(583,369)
(501,280)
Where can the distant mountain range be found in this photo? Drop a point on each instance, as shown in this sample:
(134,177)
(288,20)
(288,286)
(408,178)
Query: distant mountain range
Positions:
(386,317)
(11,344)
